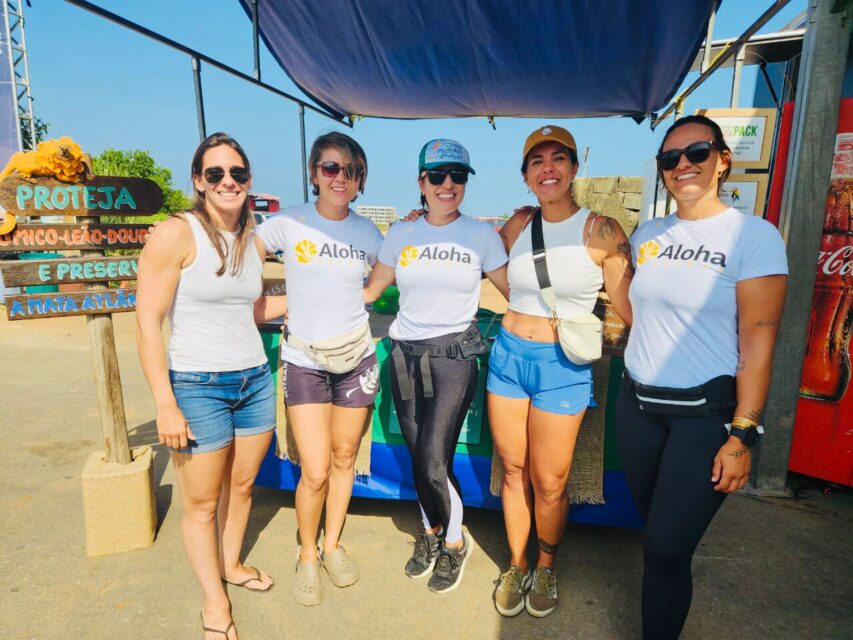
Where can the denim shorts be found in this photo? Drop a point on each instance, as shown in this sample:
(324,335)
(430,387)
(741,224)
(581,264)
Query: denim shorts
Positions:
(520,368)
(220,405)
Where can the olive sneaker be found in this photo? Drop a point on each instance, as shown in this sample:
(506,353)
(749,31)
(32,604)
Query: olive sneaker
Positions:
(541,599)
(509,594)
(450,565)
(423,558)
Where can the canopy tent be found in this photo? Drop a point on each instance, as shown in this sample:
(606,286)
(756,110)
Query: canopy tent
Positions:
(514,58)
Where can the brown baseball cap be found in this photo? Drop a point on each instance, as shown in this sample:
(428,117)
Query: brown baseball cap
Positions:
(549,133)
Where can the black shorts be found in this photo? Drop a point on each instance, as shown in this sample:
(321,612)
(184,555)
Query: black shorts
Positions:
(356,388)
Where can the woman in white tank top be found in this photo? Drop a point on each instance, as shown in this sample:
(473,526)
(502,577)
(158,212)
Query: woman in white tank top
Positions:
(214,393)
(536,397)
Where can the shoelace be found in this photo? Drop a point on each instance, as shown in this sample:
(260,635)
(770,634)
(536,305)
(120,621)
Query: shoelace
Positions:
(513,580)
(447,562)
(544,583)
(422,546)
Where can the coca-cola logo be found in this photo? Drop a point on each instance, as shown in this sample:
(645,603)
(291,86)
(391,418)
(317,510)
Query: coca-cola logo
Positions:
(836,262)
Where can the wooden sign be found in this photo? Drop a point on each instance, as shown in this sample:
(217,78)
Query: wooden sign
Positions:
(615,333)
(97,196)
(274,287)
(92,269)
(41,237)
(748,132)
(55,305)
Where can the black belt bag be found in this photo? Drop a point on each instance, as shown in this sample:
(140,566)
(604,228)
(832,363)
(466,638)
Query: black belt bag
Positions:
(716,396)
(465,346)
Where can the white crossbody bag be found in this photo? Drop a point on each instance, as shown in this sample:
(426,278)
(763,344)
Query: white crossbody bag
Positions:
(580,335)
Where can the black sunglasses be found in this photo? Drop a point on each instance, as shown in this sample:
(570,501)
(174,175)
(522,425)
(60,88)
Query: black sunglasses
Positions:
(695,153)
(214,175)
(332,169)
(438,176)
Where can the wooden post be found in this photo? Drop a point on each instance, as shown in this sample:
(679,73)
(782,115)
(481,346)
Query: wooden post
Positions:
(107,377)
(809,166)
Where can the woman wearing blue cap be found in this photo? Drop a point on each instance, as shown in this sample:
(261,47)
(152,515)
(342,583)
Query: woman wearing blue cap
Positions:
(438,261)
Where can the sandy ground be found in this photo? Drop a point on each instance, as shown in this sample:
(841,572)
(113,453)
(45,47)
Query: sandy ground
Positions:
(766,569)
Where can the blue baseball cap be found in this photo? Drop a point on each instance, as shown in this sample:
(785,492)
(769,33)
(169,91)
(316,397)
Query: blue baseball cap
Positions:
(439,152)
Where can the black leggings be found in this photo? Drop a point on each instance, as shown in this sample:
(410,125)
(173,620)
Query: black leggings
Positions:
(431,427)
(668,461)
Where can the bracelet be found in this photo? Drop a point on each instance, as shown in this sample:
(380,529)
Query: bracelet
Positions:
(744,423)
(730,425)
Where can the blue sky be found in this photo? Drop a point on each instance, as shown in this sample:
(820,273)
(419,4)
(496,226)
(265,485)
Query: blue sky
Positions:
(109,87)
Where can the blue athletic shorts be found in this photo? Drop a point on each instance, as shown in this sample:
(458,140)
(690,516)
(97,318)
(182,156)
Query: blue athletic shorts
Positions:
(220,405)
(520,368)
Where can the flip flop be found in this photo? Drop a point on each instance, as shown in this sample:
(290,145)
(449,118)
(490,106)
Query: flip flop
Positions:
(245,583)
(205,628)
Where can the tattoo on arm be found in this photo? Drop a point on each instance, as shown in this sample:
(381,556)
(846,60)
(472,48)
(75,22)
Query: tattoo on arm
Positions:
(607,228)
(741,365)
(768,323)
(739,453)
(753,414)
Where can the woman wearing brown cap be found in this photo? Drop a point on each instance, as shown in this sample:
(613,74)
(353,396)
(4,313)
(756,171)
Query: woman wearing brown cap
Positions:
(537,395)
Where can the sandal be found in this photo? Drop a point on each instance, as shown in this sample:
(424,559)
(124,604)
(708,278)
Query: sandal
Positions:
(257,578)
(342,570)
(306,589)
(205,628)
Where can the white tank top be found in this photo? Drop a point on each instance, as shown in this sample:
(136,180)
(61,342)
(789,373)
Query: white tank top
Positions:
(576,278)
(213,326)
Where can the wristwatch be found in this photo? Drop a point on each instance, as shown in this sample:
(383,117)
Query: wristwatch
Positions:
(747,436)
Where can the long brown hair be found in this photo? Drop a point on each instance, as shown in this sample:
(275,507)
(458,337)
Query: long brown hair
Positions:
(199,208)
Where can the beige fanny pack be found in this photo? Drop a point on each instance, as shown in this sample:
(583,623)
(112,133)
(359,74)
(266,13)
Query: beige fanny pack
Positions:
(339,354)
(580,335)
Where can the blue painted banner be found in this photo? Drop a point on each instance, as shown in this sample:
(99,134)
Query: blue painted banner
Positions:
(54,305)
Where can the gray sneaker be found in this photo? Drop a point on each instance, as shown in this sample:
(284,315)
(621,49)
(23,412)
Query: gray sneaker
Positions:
(509,594)
(450,566)
(423,558)
(542,597)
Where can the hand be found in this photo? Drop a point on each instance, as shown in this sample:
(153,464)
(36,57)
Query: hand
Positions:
(527,210)
(414,214)
(172,427)
(731,466)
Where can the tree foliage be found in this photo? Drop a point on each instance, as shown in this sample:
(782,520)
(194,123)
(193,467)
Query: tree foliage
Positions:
(41,128)
(137,163)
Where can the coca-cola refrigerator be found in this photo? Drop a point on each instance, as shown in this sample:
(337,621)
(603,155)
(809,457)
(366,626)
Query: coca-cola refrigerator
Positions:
(823,431)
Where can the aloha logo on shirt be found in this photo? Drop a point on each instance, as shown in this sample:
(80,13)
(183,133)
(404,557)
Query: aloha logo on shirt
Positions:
(306,251)
(651,251)
(410,254)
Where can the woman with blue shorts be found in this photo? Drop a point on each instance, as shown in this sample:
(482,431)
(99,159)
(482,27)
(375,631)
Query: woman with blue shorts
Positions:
(537,397)
(214,393)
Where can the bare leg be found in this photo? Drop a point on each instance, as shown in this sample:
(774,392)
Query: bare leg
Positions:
(508,422)
(312,431)
(347,429)
(552,440)
(200,479)
(235,505)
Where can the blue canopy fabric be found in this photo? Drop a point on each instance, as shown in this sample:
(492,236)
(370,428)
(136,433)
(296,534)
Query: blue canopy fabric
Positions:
(513,58)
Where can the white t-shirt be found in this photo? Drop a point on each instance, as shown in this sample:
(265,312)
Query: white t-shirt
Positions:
(684,294)
(325,262)
(438,273)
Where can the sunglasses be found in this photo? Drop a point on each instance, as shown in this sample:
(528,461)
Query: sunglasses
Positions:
(695,153)
(438,176)
(332,169)
(214,175)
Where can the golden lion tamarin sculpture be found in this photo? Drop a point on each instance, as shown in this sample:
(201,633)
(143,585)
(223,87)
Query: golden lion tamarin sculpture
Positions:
(61,158)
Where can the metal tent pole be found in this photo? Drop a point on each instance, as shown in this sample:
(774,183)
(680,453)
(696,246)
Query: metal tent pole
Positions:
(255,40)
(739,58)
(304,157)
(199,99)
(801,223)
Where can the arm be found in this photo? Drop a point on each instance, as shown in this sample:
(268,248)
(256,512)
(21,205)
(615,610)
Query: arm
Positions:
(160,263)
(759,306)
(617,267)
(270,308)
(515,225)
(499,279)
(381,277)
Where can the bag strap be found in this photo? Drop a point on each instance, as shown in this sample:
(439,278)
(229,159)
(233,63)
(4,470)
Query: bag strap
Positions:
(540,264)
